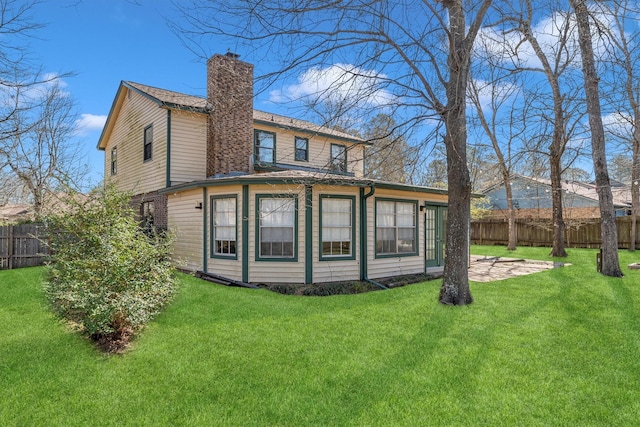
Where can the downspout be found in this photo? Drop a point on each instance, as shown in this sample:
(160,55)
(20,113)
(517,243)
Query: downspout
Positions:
(364,275)
(205,253)
(168,165)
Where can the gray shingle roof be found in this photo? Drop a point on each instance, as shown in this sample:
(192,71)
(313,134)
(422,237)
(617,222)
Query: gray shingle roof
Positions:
(179,100)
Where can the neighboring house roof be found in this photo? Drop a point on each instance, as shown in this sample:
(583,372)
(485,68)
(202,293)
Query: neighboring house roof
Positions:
(180,101)
(621,195)
(15,212)
(302,178)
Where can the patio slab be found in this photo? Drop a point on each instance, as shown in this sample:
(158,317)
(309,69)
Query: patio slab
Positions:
(489,269)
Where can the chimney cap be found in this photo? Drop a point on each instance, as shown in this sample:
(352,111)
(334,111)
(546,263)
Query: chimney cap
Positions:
(231,55)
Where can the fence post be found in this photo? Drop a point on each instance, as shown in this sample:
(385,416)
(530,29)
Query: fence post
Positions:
(10,247)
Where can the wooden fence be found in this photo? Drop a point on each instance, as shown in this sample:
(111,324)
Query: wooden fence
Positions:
(21,246)
(578,233)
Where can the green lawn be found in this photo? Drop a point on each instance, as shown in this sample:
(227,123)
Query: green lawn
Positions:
(560,347)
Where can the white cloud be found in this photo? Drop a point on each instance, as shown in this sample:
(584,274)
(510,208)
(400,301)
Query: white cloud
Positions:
(549,32)
(336,84)
(498,93)
(90,122)
(619,124)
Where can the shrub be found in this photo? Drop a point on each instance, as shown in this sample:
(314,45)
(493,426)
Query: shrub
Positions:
(105,273)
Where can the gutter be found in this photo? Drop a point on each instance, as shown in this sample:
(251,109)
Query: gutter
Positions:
(364,276)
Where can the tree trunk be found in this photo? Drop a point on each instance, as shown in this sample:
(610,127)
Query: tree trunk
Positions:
(635,181)
(610,263)
(455,284)
(513,237)
(558,247)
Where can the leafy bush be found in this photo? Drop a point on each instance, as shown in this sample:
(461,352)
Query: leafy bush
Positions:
(105,273)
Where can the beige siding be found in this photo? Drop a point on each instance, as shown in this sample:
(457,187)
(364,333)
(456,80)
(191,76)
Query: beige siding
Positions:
(188,146)
(231,268)
(331,271)
(273,271)
(394,266)
(133,174)
(319,150)
(186,222)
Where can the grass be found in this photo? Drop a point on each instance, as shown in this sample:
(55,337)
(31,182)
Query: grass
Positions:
(555,348)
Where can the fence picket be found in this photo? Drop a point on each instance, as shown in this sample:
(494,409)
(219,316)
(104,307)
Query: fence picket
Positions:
(578,234)
(21,246)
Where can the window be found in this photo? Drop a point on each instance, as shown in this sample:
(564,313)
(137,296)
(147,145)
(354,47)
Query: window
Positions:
(396,231)
(223,226)
(302,149)
(147,213)
(338,158)
(114,161)
(265,147)
(276,224)
(148,142)
(337,216)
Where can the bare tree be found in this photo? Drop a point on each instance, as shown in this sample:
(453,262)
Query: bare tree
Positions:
(552,71)
(40,154)
(489,97)
(556,61)
(421,52)
(610,262)
(625,90)
(28,116)
(17,74)
(389,153)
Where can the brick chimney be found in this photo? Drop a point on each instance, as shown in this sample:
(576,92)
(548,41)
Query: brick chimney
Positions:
(230,127)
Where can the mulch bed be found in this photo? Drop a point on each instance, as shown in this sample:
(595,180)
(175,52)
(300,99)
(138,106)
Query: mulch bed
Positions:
(346,287)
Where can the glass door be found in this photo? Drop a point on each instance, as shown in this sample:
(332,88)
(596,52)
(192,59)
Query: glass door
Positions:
(435,223)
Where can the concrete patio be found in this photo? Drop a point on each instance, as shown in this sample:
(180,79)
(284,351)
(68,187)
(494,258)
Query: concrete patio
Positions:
(489,269)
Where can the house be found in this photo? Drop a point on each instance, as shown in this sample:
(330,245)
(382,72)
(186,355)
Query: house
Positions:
(15,213)
(532,199)
(258,197)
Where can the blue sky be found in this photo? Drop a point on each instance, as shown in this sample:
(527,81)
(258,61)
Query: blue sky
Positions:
(105,41)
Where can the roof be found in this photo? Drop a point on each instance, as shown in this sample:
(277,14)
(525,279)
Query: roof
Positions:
(621,195)
(180,101)
(170,98)
(14,211)
(301,178)
(302,125)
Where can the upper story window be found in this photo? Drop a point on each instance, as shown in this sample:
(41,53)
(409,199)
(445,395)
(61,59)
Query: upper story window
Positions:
(265,146)
(396,227)
(114,160)
(302,149)
(148,143)
(338,158)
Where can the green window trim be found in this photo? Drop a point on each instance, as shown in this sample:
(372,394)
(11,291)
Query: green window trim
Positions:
(231,244)
(396,228)
(147,147)
(301,149)
(263,152)
(259,229)
(114,161)
(352,234)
